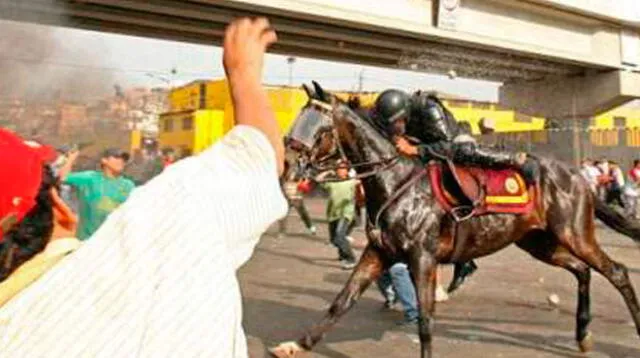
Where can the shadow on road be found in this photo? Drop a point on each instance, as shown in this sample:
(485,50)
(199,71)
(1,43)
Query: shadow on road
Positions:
(282,322)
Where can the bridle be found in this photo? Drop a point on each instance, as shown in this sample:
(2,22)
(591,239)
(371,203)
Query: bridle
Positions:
(378,166)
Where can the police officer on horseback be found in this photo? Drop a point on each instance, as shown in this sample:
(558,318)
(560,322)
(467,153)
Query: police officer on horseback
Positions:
(424,119)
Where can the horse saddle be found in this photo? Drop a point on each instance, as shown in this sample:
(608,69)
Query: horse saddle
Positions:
(468,191)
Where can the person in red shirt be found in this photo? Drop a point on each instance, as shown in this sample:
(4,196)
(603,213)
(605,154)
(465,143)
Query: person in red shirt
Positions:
(294,189)
(632,190)
(634,173)
(168,157)
(31,211)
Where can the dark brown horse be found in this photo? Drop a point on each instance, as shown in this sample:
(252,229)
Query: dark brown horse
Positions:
(415,229)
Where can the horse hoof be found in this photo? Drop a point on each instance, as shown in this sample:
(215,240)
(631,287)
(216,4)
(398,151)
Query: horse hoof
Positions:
(285,350)
(586,344)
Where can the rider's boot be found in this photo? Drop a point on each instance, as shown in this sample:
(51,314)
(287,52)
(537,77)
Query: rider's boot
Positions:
(460,273)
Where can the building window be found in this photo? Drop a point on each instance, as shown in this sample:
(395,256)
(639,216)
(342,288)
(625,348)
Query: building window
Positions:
(168,125)
(203,96)
(187,123)
(619,122)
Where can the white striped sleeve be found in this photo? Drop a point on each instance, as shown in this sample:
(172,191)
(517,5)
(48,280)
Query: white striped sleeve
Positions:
(158,278)
(241,175)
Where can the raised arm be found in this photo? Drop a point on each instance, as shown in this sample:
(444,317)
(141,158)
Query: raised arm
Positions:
(68,164)
(245,43)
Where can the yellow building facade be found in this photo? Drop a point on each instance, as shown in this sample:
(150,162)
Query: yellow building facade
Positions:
(605,127)
(505,120)
(201,112)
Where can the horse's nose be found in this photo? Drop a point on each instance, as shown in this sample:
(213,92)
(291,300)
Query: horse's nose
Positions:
(295,145)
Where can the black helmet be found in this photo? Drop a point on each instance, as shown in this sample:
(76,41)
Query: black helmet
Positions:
(392,105)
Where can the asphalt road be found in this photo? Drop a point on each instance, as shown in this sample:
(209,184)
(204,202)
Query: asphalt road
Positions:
(501,312)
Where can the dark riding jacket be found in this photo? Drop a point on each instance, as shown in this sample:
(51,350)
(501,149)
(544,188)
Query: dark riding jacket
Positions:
(441,136)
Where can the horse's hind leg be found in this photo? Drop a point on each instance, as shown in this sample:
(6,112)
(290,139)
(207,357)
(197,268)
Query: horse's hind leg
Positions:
(544,247)
(368,269)
(590,252)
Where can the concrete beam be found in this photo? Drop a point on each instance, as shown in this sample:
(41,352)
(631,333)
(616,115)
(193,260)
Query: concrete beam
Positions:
(202,21)
(622,12)
(572,97)
(534,29)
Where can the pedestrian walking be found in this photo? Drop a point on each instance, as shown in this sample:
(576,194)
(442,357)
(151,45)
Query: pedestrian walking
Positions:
(341,208)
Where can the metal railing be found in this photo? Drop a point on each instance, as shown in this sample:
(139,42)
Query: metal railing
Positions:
(571,145)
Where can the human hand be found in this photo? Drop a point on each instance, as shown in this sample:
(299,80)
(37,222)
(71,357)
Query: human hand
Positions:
(245,43)
(404,147)
(73,155)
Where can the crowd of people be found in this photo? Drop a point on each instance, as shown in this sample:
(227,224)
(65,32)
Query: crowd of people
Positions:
(164,249)
(159,253)
(612,184)
(107,238)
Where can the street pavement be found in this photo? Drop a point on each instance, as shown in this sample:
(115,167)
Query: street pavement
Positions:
(503,311)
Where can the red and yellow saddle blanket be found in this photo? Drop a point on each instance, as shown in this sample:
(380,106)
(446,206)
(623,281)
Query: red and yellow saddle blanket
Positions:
(492,191)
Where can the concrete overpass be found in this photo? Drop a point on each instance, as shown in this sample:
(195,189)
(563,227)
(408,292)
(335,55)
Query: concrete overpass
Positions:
(558,58)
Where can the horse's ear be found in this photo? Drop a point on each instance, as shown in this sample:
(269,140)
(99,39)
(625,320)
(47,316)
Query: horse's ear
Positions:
(309,91)
(322,95)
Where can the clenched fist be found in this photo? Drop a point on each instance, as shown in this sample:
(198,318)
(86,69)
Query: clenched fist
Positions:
(245,43)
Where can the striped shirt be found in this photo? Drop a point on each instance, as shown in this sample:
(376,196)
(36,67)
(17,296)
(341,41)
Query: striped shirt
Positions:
(158,279)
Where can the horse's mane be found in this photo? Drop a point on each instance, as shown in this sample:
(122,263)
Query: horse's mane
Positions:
(352,107)
(364,113)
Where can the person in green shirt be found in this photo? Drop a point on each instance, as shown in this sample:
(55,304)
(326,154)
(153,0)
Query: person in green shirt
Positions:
(99,192)
(341,210)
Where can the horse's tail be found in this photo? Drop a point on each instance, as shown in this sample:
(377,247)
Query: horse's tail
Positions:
(615,220)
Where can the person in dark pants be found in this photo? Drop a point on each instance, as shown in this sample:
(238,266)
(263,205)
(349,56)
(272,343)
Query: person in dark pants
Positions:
(290,185)
(614,194)
(341,212)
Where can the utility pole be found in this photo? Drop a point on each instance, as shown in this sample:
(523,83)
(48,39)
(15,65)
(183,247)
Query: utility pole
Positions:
(291,61)
(361,81)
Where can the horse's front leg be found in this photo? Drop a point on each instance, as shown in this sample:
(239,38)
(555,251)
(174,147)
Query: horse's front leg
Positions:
(368,269)
(424,272)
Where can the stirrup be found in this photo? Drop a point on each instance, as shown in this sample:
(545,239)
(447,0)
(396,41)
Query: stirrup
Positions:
(455,213)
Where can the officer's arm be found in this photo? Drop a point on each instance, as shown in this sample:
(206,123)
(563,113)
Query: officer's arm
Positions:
(437,150)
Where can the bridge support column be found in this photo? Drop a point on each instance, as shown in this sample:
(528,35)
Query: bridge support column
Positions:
(572,97)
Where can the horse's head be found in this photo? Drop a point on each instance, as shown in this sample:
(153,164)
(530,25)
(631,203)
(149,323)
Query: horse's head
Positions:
(314,133)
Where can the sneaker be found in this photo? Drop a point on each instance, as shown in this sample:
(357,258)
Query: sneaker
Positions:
(408,326)
(407,323)
(466,271)
(347,265)
(313,230)
(441,294)
(389,305)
